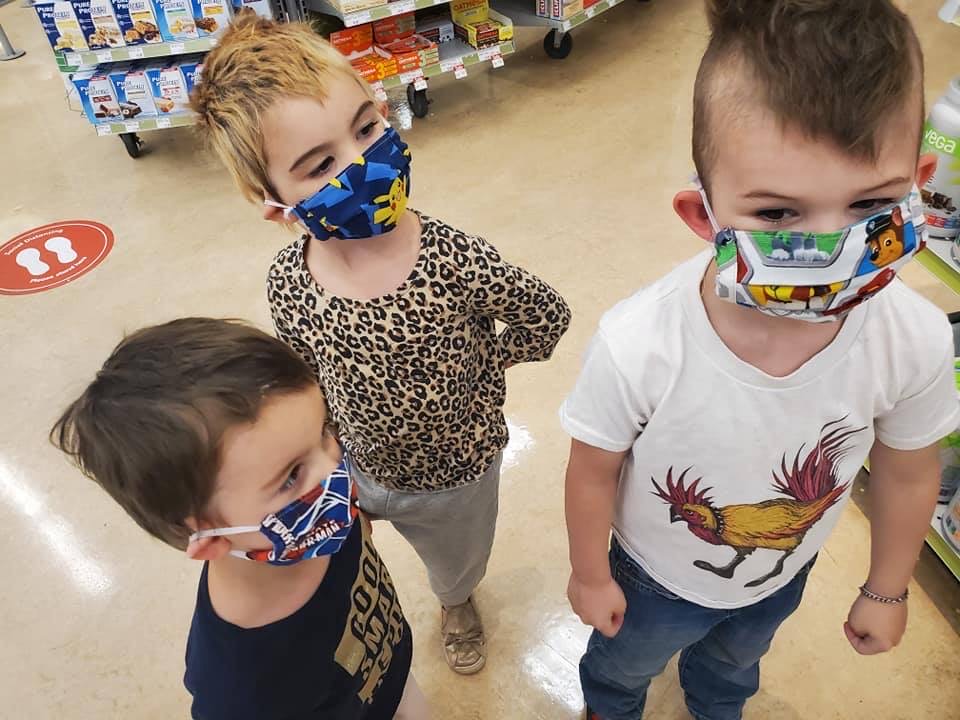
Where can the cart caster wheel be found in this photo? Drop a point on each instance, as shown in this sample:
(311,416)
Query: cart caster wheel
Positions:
(133,143)
(558,52)
(418,101)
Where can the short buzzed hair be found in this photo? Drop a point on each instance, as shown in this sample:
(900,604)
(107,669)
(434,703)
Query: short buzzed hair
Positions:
(831,69)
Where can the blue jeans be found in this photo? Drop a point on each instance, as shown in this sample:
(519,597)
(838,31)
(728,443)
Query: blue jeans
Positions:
(720,649)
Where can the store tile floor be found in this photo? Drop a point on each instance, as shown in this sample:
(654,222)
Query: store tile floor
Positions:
(569,167)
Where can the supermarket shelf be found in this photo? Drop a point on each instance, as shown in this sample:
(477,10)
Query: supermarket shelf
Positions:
(937,259)
(521,12)
(120,127)
(453,54)
(938,543)
(136,52)
(375,13)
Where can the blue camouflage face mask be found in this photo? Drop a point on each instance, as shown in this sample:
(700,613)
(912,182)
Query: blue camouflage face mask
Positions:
(367,199)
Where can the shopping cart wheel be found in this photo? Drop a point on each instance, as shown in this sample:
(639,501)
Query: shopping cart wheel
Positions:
(558,47)
(418,101)
(133,143)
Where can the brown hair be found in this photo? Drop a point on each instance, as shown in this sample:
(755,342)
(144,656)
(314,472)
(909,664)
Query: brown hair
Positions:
(830,68)
(148,428)
(255,63)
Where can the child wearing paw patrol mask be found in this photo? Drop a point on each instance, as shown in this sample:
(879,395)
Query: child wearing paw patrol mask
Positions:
(723,413)
(395,311)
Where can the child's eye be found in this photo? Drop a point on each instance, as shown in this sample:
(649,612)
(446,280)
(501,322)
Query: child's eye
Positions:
(292,479)
(873,204)
(367,130)
(323,168)
(775,216)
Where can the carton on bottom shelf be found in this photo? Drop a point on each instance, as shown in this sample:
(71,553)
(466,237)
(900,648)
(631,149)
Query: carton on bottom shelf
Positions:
(134,92)
(169,87)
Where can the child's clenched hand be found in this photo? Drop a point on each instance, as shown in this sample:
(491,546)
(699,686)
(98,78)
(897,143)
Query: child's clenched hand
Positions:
(601,606)
(873,628)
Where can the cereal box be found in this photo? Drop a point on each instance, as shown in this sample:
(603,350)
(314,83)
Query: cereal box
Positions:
(212,16)
(134,92)
(260,7)
(176,19)
(97,95)
(106,26)
(138,21)
(60,24)
(354,42)
(169,88)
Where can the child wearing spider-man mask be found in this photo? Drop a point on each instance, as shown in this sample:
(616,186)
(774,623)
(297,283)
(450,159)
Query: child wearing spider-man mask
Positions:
(215,438)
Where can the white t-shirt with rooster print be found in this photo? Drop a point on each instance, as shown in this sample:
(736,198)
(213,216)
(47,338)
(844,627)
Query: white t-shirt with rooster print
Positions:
(735,478)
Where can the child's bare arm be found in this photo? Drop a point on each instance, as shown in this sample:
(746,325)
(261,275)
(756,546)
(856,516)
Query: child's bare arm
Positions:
(591,492)
(535,314)
(903,493)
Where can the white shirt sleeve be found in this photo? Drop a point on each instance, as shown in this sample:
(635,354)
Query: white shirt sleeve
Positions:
(926,416)
(604,409)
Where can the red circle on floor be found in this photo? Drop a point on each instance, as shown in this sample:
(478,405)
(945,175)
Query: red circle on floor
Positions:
(53,255)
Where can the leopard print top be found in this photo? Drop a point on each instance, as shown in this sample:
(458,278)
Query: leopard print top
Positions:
(415,379)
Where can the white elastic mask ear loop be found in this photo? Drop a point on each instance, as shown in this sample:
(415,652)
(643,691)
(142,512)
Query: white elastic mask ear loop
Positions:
(286,208)
(219,532)
(706,203)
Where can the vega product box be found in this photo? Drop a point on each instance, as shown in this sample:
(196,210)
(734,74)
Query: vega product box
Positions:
(61,25)
(97,95)
(260,7)
(192,70)
(212,16)
(134,92)
(175,18)
(138,21)
(106,26)
(354,42)
(169,88)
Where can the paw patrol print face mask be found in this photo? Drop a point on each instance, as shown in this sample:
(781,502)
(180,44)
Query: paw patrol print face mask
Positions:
(818,277)
(367,199)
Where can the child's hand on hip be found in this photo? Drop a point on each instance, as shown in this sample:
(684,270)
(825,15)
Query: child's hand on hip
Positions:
(873,628)
(601,606)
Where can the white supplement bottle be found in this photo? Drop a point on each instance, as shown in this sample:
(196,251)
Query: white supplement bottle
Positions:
(941,194)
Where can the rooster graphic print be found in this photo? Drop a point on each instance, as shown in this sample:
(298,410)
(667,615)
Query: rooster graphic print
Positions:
(809,487)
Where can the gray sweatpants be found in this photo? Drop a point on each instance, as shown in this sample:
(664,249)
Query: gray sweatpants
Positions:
(451,530)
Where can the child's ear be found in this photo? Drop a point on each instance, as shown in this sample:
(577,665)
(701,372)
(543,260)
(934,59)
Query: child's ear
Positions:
(688,204)
(925,168)
(208,548)
(383,109)
(272,213)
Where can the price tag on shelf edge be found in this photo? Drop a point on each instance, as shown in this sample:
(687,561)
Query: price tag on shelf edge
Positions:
(163,123)
(104,56)
(378,92)
(135,53)
(177,48)
(131,126)
(591,11)
(460,72)
(359,18)
(104,130)
(420,84)
(403,6)
(489,53)
(497,60)
(412,76)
